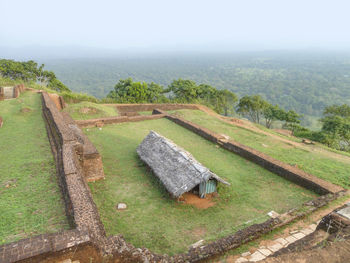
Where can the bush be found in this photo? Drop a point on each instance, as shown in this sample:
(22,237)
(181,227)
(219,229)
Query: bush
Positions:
(70,97)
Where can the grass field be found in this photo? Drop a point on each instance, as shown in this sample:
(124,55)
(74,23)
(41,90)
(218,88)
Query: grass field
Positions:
(153,219)
(87,110)
(30,198)
(311,160)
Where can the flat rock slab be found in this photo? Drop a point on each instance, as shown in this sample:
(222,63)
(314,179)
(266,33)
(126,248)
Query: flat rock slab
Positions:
(256,256)
(121,206)
(299,235)
(266,252)
(241,260)
(345,212)
(275,247)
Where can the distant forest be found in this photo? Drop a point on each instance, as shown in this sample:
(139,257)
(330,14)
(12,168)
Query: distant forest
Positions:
(305,82)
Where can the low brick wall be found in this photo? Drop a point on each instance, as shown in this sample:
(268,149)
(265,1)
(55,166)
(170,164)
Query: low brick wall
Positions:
(117,119)
(124,108)
(287,171)
(68,148)
(18,89)
(2,96)
(42,245)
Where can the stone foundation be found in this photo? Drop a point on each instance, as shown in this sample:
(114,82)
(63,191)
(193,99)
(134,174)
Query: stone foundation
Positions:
(289,172)
(72,153)
(117,119)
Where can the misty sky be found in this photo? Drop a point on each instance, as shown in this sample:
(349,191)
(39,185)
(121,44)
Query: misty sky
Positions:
(176,24)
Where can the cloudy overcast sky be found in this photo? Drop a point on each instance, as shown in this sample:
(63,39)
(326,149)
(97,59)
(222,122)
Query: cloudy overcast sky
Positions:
(176,24)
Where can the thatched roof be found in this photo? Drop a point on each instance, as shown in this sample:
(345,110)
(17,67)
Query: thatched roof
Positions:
(175,168)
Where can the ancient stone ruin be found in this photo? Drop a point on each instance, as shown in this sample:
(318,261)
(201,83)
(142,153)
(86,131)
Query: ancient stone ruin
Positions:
(177,169)
(11,92)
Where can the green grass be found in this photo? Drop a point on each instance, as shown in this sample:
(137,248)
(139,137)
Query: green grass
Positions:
(156,221)
(30,198)
(145,112)
(87,110)
(322,164)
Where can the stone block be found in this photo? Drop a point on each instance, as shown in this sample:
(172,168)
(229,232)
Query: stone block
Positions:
(121,206)
(275,247)
(291,239)
(282,241)
(246,254)
(306,231)
(266,252)
(241,260)
(299,235)
(313,227)
(256,256)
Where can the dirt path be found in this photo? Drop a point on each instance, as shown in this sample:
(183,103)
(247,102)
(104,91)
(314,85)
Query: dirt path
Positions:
(249,126)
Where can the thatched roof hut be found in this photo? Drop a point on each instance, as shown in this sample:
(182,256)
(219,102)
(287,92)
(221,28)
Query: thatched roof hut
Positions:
(176,169)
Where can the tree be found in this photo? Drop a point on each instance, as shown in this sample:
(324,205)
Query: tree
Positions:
(128,91)
(226,101)
(155,93)
(252,106)
(272,113)
(30,71)
(184,90)
(336,126)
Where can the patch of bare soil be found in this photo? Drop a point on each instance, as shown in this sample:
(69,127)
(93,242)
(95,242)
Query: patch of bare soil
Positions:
(198,232)
(24,110)
(88,110)
(195,200)
(56,100)
(284,132)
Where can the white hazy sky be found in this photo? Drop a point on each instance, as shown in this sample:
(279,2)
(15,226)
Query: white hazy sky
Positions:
(176,24)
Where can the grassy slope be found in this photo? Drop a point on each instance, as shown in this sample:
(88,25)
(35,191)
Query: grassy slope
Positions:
(155,221)
(326,167)
(76,111)
(30,198)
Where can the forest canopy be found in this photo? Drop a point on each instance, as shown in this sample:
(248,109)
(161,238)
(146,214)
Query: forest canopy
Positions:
(30,71)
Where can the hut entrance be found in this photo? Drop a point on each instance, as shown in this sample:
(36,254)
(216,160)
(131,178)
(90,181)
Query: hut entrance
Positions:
(207,187)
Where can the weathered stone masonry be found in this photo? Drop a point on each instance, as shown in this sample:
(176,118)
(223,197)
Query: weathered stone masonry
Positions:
(16,91)
(117,119)
(70,149)
(287,171)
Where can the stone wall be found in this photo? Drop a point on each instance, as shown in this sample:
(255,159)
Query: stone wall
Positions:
(18,89)
(117,119)
(42,245)
(124,108)
(2,96)
(88,236)
(287,171)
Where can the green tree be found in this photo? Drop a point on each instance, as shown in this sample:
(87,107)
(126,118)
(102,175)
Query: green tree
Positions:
(184,90)
(226,101)
(252,107)
(30,71)
(336,127)
(272,113)
(128,91)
